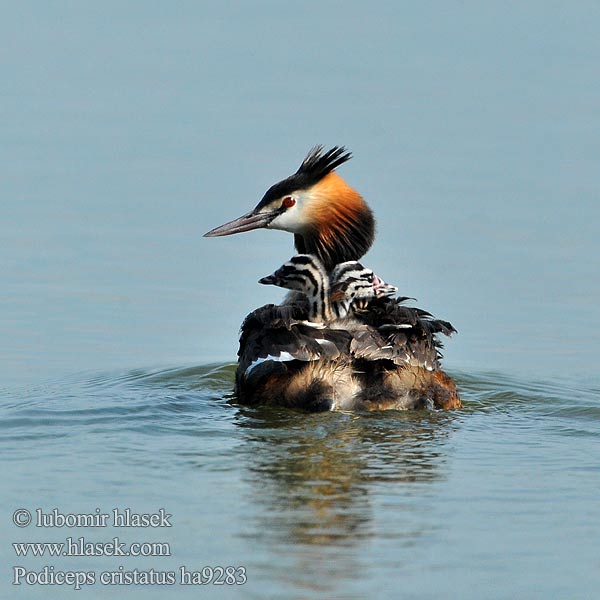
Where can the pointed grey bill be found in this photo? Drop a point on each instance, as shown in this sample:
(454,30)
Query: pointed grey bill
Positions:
(246,222)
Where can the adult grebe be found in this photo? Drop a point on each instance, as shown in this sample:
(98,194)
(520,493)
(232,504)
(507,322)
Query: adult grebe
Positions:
(332,222)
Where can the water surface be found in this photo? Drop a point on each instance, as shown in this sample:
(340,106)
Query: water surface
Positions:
(470,503)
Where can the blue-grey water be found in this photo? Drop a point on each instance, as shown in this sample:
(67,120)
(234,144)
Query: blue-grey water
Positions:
(129,129)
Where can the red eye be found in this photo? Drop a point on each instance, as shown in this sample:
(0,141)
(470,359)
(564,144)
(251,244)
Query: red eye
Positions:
(288,202)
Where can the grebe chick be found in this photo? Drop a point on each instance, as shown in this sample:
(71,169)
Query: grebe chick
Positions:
(329,297)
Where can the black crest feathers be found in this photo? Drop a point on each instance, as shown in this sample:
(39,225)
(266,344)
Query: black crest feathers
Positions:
(318,163)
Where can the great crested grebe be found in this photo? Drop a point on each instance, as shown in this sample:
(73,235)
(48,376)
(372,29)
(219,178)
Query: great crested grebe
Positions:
(385,356)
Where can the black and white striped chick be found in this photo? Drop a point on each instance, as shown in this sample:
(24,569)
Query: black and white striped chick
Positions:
(329,297)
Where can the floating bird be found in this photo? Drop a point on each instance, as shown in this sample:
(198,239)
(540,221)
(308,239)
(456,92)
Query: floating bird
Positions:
(385,356)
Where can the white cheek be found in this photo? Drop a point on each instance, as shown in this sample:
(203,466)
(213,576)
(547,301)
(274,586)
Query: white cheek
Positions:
(294,219)
(288,221)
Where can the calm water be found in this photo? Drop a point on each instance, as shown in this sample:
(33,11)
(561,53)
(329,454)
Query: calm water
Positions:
(128,131)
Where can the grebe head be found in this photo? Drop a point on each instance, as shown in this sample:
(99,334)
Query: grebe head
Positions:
(327,217)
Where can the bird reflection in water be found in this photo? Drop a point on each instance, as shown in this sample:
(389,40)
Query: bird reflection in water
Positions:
(330,483)
(319,475)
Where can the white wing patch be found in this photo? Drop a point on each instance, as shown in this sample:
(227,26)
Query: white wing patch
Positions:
(283,357)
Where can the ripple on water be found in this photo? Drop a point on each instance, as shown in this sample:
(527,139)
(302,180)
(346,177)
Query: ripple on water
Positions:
(139,398)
